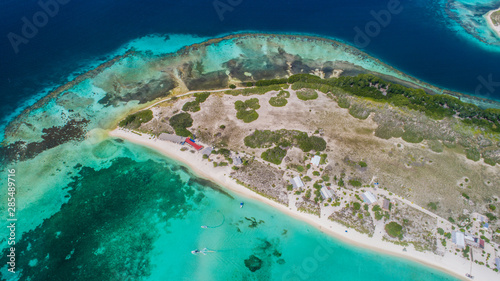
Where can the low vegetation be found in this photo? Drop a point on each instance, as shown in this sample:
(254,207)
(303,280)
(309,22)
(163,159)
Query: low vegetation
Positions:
(284,138)
(378,89)
(194,106)
(278,102)
(135,120)
(246,110)
(180,123)
(307,94)
(394,230)
(274,155)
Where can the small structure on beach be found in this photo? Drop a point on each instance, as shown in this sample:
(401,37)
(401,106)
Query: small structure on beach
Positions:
(369,198)
(486,225)
(458,238)
(326,192)
(237,161)
(297,182)
(497,263)
(386,205)
(207,151)
(171,138)
(193,144)
(315,160)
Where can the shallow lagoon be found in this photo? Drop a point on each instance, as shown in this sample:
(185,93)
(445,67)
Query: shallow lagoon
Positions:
(139,216)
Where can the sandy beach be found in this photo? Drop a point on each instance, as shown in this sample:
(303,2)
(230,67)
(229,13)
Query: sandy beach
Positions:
(450,263)
(495,28)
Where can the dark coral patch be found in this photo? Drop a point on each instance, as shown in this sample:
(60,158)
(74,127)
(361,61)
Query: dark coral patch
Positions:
(253,263)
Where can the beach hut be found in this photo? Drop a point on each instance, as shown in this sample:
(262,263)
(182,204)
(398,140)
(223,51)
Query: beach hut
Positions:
(369,198)
(193,144)
(386,205)
(297,182)
(315,160)
(171,138)
(458,238)
(326,192)
(207,151)
(497,263)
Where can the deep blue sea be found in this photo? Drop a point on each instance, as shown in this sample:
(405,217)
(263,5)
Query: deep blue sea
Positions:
(419,38)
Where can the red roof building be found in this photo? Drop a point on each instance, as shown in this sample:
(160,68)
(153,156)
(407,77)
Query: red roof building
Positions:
(194,145)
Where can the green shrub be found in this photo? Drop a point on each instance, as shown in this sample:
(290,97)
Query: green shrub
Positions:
(308,194)
(394,230)
(359,111)
(180,122)
(433,205)
(343,102)
(440,231)
(376,208)
(356,206)
(285,138)
(277,101)
(249,84)
(307,178)
(307,94)
(192,106)
(386,132)
(135,120)
(435,146)
(465,196)
(247,116)
(201,97)
(355,183)
(473,154)
(232,86)
(284,94)
(412,137)
(341,182)
(274,155)
(492,207)
(246,110)
(362,164)
(491,217)
(316,173)
(261,83)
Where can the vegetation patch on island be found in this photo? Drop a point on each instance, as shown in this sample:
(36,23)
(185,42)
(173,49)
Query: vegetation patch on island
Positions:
(134,121)
(180,123)
(246,110)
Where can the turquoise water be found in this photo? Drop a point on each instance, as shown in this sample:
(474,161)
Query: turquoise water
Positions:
(138,216)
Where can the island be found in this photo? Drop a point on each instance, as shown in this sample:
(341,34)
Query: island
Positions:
(313,127)
(493,19)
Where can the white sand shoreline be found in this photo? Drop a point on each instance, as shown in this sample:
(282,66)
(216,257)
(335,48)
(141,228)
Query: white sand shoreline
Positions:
(494,28)
(449,263)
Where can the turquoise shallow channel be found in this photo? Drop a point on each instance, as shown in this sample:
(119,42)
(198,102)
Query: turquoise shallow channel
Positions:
(139,216)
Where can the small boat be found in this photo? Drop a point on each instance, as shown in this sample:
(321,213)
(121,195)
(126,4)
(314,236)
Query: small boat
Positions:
(241,204)
(204,251)
(468,275)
